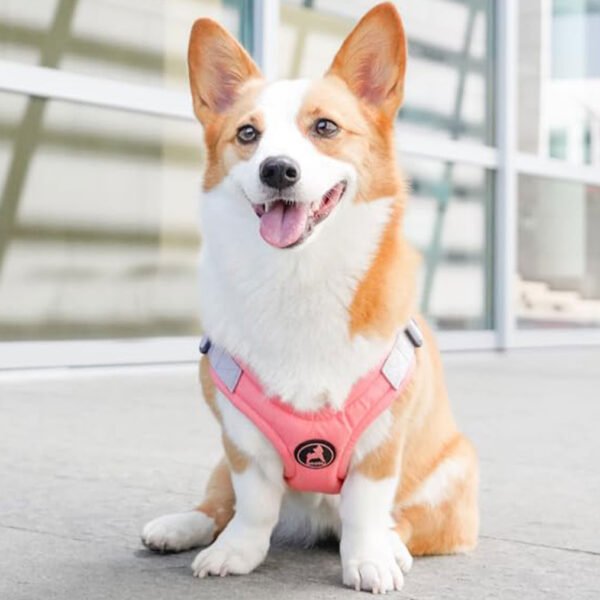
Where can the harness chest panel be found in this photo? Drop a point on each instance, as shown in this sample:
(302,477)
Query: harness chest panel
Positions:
(316,447)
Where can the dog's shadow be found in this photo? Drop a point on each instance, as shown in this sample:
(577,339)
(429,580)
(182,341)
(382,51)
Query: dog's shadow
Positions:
(297,566)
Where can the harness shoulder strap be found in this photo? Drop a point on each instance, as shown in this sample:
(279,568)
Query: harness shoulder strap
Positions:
(316,448)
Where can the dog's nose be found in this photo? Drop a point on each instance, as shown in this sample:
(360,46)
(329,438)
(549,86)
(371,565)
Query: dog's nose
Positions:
(279,172)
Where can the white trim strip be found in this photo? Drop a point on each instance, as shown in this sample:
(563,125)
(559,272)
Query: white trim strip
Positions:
(547,338)
(82,353)
(62,85)
(165,351)
(505,222)
(451,341)
(266,34)
(77,353)
(53,83)
(532,164)
(74,373)
(444,149)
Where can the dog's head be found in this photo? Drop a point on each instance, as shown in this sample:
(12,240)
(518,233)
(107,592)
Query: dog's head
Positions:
(292,153)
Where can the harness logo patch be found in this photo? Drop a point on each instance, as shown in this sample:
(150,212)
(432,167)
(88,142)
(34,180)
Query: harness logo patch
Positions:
(315,454)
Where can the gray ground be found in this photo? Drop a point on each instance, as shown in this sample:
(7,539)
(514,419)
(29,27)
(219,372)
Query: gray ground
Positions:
(88,456)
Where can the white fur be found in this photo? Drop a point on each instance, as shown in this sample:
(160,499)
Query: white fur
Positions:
(307,518)
(438,486)
(373,556)
(244,543)
(279,104)
(179,531)
(285,312)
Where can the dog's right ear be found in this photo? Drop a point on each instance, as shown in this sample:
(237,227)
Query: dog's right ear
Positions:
(372,59)
(218,67)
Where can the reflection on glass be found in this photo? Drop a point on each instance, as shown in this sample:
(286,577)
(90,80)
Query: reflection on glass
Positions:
(559,79)
(449,220)
(98,222)
(449,79)
(136,41)
(559,254)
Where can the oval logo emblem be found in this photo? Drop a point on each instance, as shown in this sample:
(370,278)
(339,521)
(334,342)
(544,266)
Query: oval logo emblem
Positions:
(315,454)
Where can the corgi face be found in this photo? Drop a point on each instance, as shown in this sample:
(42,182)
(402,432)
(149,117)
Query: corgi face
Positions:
(293,153)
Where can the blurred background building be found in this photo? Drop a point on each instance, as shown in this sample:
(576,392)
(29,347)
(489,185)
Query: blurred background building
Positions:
(100,167)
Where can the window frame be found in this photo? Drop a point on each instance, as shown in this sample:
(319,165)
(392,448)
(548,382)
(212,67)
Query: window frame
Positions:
(503,159)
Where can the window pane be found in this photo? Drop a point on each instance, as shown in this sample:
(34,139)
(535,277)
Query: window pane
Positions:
(98,222)
(449,79)
(137,41)
(449,220)
(559,79)
(559,253)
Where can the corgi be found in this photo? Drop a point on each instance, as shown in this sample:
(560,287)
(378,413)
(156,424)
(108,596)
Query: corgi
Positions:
(309,299)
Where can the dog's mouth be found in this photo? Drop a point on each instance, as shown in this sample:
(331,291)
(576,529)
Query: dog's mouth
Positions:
(285,223)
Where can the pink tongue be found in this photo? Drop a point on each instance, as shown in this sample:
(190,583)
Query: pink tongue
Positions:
(284,224)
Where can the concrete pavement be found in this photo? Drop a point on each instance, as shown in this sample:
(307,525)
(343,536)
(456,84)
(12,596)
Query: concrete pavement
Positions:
(87,456)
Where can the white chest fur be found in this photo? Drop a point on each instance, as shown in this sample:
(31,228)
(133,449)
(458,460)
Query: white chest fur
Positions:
(285,313)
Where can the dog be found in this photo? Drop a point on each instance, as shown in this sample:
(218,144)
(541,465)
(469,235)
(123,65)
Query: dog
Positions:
(317,456)
(309,299)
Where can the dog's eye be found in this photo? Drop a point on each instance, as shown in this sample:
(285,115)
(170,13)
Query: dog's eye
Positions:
(325,128)
(247,134)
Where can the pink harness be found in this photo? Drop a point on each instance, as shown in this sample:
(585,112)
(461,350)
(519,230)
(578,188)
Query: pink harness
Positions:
(316,447)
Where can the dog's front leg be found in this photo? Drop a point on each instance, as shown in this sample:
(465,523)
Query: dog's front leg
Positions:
(244,543)
(373,556)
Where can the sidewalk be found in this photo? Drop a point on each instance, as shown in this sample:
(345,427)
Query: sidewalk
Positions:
(88,456)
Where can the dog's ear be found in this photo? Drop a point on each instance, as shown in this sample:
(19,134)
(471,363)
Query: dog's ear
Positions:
(218,67)
(372,59)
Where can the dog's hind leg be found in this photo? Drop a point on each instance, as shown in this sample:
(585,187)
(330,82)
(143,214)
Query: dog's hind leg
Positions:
(199,527)
(442,516)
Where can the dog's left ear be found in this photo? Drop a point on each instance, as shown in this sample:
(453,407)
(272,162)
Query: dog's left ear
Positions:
(372,59)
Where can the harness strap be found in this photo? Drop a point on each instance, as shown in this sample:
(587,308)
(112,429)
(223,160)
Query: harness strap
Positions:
(316,447)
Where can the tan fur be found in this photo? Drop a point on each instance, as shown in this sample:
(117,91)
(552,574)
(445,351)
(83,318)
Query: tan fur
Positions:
(360,141)
(223,150)
(451,526)
(209,391)
(361,93)
(422,436)
(219,499)
(381,304)
(225,82)
(372,62)
(237,460)
(425,435)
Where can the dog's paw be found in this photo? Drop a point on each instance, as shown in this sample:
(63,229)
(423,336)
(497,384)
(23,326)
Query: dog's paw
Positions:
(400,551)
(178,532)
(375,563)
(224,557)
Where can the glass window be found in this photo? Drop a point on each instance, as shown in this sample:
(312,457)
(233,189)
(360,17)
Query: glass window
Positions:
(137,41)
(448,219)
(559,79)
(98,222)
(558,253)
(449,78)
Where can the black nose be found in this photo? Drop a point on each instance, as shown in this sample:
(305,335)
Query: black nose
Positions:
(279,172)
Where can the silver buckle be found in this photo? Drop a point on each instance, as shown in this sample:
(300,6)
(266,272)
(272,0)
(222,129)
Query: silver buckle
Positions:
(205,344)
(414,333)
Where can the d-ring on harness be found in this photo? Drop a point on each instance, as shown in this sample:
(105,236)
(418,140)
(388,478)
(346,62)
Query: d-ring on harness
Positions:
(316,447)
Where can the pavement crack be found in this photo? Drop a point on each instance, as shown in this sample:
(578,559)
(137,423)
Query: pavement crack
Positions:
(58,535)
(538,545)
